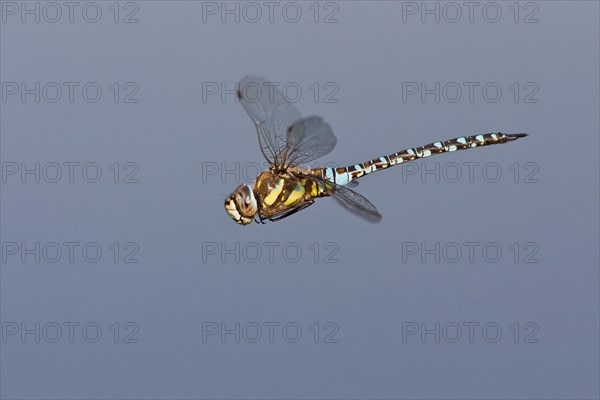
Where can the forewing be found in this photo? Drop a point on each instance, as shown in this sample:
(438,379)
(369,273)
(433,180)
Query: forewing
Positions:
(272,114)
(307,140)
(356,203)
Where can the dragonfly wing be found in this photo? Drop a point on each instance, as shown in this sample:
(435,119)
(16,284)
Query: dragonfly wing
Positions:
(356,203)
(272,114)
(307,140)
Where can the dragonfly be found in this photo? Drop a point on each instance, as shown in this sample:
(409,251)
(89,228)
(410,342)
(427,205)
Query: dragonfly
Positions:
(288,141)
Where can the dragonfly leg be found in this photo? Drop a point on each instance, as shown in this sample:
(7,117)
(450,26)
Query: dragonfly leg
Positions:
(286,214)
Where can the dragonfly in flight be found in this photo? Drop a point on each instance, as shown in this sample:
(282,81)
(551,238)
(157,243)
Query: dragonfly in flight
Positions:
(287,141)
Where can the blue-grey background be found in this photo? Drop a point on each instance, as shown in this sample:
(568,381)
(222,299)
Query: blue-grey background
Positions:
(175,210)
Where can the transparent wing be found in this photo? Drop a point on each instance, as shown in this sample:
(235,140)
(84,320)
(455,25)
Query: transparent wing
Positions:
(307,140)
(350,200)
(356,203)
(272,114)
(284,137)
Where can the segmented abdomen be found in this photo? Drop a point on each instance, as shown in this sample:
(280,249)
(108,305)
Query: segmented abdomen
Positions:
(344,175)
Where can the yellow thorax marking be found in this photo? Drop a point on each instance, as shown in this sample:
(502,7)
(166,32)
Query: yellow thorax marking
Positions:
(297,193)
(274,191)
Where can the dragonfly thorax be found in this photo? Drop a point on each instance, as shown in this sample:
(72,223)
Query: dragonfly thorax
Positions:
(241,205)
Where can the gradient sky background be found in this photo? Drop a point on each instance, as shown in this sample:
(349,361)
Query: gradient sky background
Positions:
(377,289)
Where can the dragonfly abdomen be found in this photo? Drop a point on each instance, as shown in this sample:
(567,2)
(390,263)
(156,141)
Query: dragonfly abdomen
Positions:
(345,175)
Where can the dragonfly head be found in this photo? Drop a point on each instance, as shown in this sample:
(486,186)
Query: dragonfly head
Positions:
(241,205)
